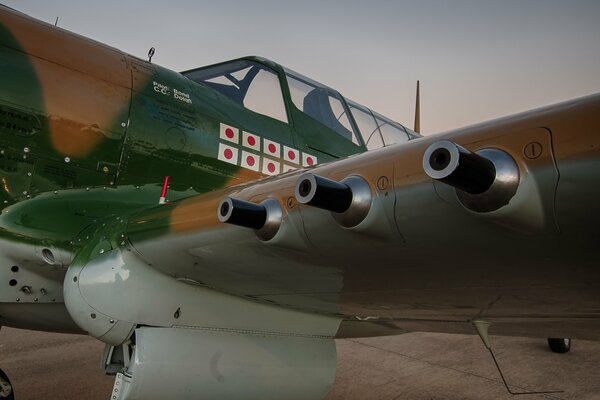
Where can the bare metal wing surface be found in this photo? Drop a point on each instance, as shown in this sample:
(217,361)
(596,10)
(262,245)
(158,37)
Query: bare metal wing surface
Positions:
(219,228)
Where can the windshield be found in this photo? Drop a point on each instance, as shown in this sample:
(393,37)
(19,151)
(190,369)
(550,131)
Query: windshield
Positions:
(377,130)
(322,104)
(248,83)
(367,125)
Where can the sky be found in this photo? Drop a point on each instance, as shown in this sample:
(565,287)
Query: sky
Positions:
(476,60)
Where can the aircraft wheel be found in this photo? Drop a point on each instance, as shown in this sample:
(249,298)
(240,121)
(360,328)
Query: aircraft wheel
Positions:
(559,345)
(6,390)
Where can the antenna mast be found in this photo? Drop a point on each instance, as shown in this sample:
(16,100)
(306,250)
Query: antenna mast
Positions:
(418,112)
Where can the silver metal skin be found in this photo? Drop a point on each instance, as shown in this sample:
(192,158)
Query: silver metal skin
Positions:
(32,295)
(502,190)
(273,222)
(218,364)
(110,290)
(362,199)
(206,336)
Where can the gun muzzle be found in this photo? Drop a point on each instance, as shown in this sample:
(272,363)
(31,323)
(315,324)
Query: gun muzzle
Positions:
(242,213)
(323,193)
(456,166)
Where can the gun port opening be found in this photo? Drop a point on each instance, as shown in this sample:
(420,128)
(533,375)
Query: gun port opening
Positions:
(304,188)
(439,159)
(224,209)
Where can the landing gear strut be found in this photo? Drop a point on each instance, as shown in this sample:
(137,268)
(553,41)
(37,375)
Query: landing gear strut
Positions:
(6,390)
(559,345)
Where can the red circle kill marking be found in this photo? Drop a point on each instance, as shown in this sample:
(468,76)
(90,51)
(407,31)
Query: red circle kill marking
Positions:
(251,140)
(250,161)
(272,148)
(229,133)
(228,154)
(310,161)
(291,155)
(271,167)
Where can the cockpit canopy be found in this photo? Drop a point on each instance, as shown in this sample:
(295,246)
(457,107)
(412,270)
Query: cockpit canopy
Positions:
(255,84)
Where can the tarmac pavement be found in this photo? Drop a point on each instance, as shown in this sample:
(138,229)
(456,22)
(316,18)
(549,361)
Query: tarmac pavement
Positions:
(415,366)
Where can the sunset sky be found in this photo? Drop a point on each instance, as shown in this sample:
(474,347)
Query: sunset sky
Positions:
(476,60)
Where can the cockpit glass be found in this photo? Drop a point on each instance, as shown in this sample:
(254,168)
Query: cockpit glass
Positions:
(367,126)
(241,74)
(247,83)
(392,132)
(257,87)
(322,104)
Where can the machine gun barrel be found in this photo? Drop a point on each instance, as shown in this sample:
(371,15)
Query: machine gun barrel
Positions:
(242,213)
(456,166)
(323,193)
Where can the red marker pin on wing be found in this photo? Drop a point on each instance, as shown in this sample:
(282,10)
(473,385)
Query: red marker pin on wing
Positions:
(163,192)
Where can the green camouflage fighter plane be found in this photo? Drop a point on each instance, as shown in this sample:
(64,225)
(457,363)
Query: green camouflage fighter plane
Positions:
(219,228)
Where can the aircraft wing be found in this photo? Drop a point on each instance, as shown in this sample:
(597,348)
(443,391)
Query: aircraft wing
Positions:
(426,235)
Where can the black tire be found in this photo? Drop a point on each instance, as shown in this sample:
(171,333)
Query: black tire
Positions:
(559,345)
(6,390)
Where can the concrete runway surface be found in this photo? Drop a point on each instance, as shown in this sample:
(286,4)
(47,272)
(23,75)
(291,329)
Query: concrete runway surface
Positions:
(416,366)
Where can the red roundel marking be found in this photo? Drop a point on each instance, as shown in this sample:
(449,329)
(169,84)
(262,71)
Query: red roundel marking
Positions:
(250,161)
(228,154)
(272,148)
(310,161)
(271,167)
(229,133)
(251,140)
(291,155)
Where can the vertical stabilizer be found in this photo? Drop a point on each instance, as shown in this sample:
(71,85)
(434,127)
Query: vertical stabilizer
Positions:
(418,112)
